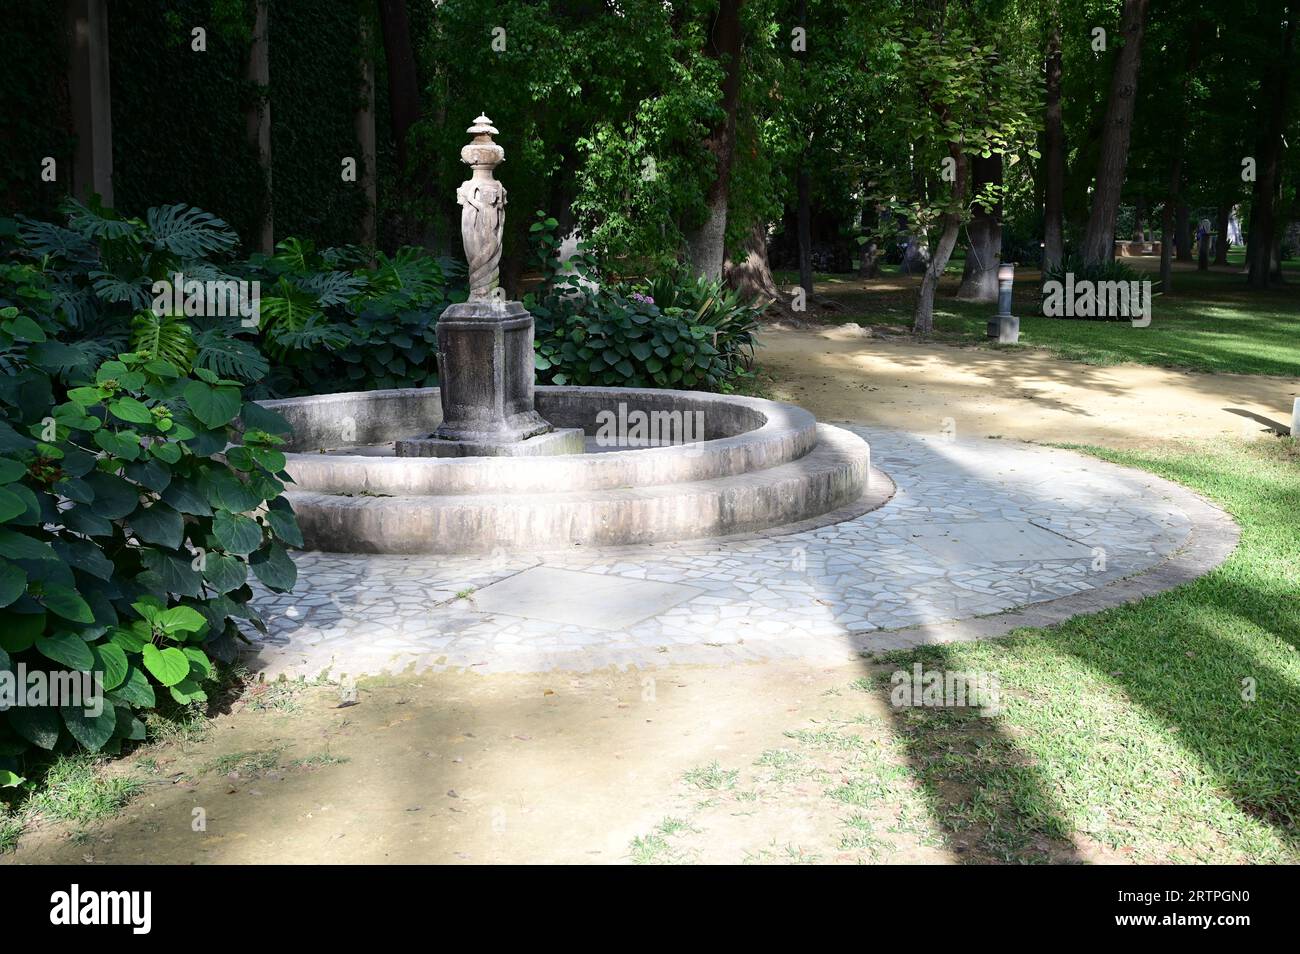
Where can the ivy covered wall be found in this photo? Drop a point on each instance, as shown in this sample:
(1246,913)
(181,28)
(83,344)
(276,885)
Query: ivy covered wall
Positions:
(179,115)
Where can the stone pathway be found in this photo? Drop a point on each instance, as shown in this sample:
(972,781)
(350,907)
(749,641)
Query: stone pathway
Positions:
(977,527)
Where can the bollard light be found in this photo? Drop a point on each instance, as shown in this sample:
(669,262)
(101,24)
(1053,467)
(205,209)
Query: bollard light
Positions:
(1004,327)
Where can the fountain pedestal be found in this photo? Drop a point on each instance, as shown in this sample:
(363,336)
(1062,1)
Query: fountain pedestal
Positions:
(485,351)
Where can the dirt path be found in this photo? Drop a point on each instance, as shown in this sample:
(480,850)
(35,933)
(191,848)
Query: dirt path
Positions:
(844,374)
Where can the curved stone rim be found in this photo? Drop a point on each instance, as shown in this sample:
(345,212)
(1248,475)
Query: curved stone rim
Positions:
(833,474)
(772,434)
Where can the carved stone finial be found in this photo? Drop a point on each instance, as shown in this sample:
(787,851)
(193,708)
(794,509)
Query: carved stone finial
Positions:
(483,208)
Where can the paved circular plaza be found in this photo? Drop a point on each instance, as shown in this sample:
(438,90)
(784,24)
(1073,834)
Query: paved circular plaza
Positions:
(979,536)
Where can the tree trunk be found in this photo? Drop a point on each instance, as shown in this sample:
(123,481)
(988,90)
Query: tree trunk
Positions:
(1140,220)
(364,126)
(1175,210)
(1221,243)
(258,120)
(88,85)
(1167,235)
(869,265)
(804,220)
(979,281)
(752,275)
(707,244)
(1264,231)
(1183,231)
(1099,237)
(1054,158)
(923,318)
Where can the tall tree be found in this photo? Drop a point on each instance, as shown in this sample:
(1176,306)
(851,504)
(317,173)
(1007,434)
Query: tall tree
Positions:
(1275,90)
(707,243)
(1053,152)
(1099,236)
(979,280)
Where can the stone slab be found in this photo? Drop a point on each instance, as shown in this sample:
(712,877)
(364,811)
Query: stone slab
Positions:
(593,600)
(990,541)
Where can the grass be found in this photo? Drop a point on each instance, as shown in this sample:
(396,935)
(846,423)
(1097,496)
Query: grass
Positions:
(247,764)
(1209,322)
(75,789)
(1130,731)
(712,778)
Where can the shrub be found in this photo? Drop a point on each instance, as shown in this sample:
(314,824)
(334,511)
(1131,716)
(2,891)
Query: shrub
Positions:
(135,500)
(329,320)
(674,332)
(1110,271)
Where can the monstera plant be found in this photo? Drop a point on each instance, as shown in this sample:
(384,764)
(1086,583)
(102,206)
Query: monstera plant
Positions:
(137,503)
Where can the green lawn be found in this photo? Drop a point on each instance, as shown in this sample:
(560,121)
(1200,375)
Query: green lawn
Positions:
(1129,728)
(1209,322)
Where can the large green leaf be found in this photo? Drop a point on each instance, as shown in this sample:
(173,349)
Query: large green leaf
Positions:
(130,410)
(18,631)
(236,533)
(66,602)
(111,661)
(228,356)
(187,497)
(39,725)
(114,497)
(214,406)
(273,567)
(159,525)
(19,546)
(11,505)
(68,649)
(166,337)
(176,575)
(84,555)
(10,470)
(13,582)
(179,619)
(136,690)
(189,232)
(224,572)
(92,731)
(281,518)
(169,666)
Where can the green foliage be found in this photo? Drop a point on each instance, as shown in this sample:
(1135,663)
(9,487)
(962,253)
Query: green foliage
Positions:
(327,320)
(332,327)
(700,336)
(117,478)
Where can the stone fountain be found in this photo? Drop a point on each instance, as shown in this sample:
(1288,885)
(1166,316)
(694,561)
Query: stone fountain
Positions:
(485,344)
(488,461)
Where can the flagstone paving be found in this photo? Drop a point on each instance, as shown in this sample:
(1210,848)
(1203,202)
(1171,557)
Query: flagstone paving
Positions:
(976,527)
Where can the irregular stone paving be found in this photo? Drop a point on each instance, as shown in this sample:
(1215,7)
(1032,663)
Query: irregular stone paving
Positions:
(819,593)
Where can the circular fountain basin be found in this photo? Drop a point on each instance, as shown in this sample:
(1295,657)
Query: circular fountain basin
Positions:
(735,464)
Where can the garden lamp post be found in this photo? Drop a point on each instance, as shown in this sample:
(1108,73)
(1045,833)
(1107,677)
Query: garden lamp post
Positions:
(1004,327)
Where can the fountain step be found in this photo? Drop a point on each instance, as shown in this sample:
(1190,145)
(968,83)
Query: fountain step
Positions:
(833,474)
